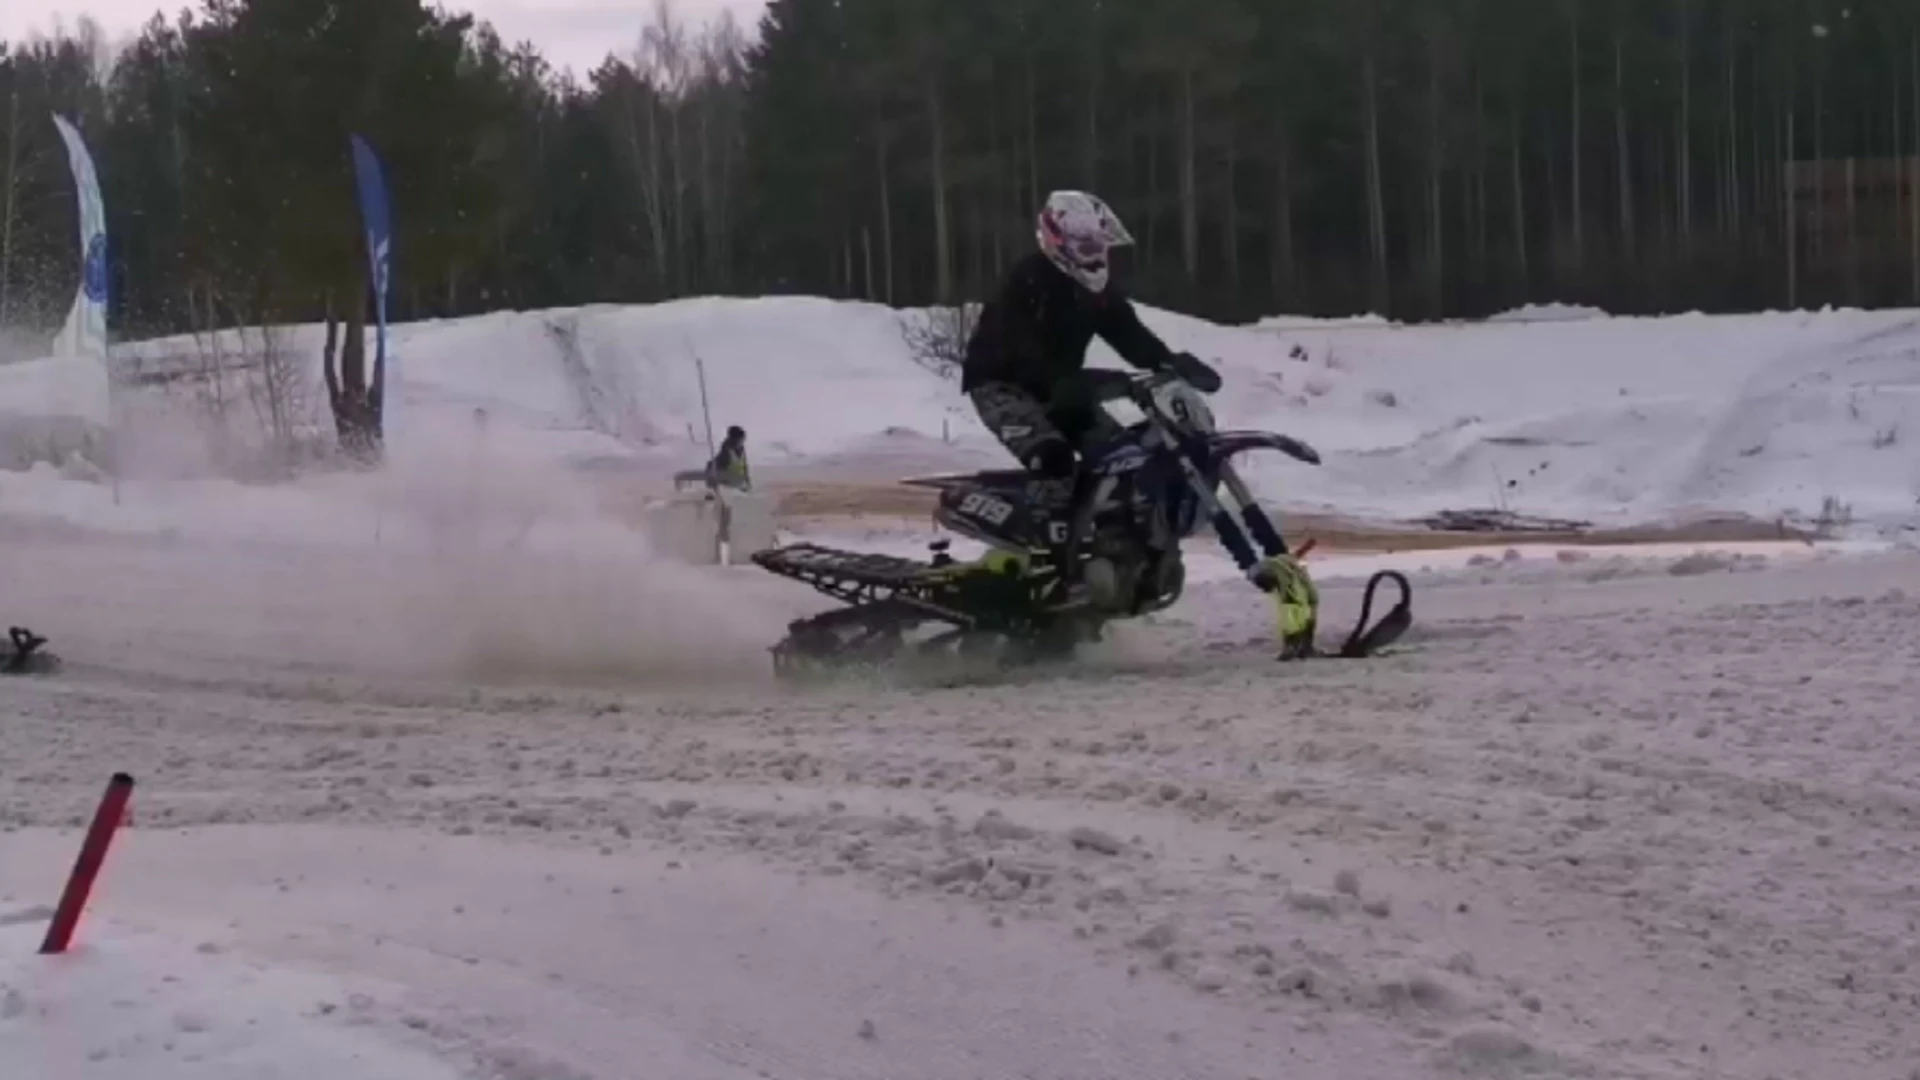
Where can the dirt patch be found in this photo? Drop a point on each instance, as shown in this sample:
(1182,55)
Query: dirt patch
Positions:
(851,500)
(1342,534)
(818,504)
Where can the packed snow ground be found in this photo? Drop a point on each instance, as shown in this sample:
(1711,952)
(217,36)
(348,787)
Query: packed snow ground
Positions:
(1608,817)
(441,774)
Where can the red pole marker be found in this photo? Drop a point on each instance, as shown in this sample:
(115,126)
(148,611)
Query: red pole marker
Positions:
(112,811)
(1306,548)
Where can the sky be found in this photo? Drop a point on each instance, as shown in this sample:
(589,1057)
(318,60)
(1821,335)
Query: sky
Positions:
(575,34)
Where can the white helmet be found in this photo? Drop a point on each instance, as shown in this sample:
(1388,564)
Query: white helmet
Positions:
(1077,230)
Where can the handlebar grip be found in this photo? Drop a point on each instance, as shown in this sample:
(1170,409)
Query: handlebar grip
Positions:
(1197,372)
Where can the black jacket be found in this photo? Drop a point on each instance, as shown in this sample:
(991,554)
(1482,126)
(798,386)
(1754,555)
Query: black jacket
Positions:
(1035,332)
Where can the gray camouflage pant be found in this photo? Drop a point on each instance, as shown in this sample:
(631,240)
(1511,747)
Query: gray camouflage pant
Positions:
(1024,424)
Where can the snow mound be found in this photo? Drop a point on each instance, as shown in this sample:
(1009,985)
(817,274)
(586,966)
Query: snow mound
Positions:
(1793,416)
(803,375)
(1549,313)
(1612,420)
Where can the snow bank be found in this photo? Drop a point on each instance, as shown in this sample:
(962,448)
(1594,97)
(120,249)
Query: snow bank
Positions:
(1801,416)
(803,375)
(1549,313)
(1611,420)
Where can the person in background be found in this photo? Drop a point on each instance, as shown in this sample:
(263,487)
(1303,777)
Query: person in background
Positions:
(729,465)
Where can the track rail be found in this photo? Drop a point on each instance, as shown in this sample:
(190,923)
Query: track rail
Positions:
(889,597)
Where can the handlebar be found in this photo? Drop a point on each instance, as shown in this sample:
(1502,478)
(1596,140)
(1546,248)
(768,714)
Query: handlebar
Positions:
(1197,372)
(1107,384)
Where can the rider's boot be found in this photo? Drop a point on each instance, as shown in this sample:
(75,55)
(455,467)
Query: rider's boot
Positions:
(1066,566)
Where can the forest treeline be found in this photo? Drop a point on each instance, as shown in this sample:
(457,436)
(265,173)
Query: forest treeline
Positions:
(1419,158)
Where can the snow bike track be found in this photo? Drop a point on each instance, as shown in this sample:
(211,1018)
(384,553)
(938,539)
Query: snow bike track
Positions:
(713,968)
(1606,820)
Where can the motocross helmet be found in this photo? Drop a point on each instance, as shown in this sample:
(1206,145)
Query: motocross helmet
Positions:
(1077,231)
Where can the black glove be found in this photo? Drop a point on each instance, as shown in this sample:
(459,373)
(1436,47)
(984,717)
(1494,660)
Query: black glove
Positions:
(1197,372)
(1055,459)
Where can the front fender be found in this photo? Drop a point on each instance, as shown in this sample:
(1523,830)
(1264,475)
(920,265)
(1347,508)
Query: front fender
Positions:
(1224,445)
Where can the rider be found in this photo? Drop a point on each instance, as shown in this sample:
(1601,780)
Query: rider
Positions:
(1031,342)
(729,466)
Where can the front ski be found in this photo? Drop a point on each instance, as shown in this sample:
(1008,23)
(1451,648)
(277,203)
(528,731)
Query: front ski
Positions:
(1365,642)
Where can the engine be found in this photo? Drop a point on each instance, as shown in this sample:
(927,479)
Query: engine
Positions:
(1122,578)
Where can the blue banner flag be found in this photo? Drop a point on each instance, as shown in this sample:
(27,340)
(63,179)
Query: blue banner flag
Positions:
(85,332)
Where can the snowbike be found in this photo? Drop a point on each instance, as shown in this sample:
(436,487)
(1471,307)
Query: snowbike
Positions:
(1137,499)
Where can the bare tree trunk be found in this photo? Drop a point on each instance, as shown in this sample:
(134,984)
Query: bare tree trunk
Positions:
(1731,169)
(1003,180)
(1658,167)
(1684,140)
(1622,147)
(668,75)
(709,257)
(976,232)
(1280,253)
(676,159)
(1757,195)
(1376,188)
(1230,217)
(1090,163)
(1149,248)
(866,257)
(647,164)
(1792,218)
(211,386)
(942,231)
(1436,211)
(722,114)
(1481,241)
(1574,158)
(11,197)
(1519,200)
(657,198)
(328,351)
(1896,158)
(1819,146)
(886,209)
(1853,232)
(1189,193)
(1033,136)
